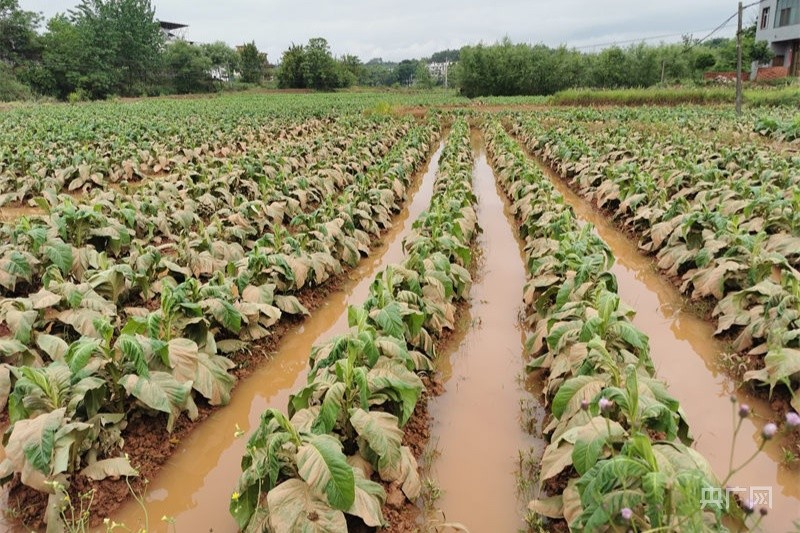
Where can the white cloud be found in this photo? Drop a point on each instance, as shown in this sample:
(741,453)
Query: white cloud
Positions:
(416,28)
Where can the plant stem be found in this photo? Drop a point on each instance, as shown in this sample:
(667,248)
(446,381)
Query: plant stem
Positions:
(731,473)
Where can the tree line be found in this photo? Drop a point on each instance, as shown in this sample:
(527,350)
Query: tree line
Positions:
(506,68)
(104,48)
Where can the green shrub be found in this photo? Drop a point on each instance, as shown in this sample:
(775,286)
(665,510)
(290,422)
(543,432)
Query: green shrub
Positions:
(10,87)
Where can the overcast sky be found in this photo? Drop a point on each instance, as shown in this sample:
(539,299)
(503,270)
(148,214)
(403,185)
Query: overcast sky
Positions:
(417,28)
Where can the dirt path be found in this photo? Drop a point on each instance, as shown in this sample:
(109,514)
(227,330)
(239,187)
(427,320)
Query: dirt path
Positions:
(686,356)
(476,422)
(195,485)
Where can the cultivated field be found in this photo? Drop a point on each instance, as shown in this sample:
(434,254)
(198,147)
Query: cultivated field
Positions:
(398,312)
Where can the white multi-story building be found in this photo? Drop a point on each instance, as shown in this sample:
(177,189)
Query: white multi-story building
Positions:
(779,24)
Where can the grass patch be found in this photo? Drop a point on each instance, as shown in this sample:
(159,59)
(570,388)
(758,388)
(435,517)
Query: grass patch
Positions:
(756,96)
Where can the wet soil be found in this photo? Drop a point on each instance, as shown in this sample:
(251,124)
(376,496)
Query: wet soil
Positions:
(9,213)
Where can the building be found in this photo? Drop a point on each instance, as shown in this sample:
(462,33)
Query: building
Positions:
(172,31)
(779,24)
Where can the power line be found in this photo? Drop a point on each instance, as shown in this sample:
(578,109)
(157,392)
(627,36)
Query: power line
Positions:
(715,30)
(722,26)
(629,41)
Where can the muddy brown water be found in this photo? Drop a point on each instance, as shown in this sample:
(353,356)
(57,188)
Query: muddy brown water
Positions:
(195,485)
(686,356)
(476,422)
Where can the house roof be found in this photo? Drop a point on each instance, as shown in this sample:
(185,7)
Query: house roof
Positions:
(172,25)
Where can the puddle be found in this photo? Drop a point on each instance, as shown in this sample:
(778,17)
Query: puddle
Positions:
(194,486)
(476,422)
(685,353)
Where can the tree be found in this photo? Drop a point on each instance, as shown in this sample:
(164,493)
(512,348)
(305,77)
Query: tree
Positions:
(252,63)
(704,61)
(290,73)
(446,55)
(404,73)
(188,67)
(224,60)
(376,73)
(61,56)
(350,70)
(320,70)
(121,44)
(422,76)
(18,39)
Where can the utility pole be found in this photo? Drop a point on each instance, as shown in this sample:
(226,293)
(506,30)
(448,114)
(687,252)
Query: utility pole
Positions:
(446,68)
(739,63)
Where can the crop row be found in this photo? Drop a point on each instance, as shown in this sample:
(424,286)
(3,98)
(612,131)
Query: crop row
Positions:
(70,401)
(32,164)
(617,455)
(344,431)
(723,221)
(214,219)
(50,147)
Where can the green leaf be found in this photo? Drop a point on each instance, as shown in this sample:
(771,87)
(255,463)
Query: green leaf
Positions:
(390,321)
(586,453)
(30,448)
(132,352)
(60,254)
(80,353)
(392,378)
(324,467)
(332,405)
(224,313)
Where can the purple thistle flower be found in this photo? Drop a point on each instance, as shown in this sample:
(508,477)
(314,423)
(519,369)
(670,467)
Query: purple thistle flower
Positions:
(626,514)
(769,431)
(605,405)
(744,410)
(792,420)
(584,405)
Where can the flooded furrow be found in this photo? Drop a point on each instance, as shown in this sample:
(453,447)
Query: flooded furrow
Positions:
(476,422)
(194,486)
(686,356)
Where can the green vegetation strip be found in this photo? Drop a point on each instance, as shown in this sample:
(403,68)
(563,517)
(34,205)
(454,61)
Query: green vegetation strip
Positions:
(344,429)
(723,221)
(80,362)
(788,96)
(618,454)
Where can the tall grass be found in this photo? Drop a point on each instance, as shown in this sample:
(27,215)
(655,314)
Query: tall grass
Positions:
(677,96)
